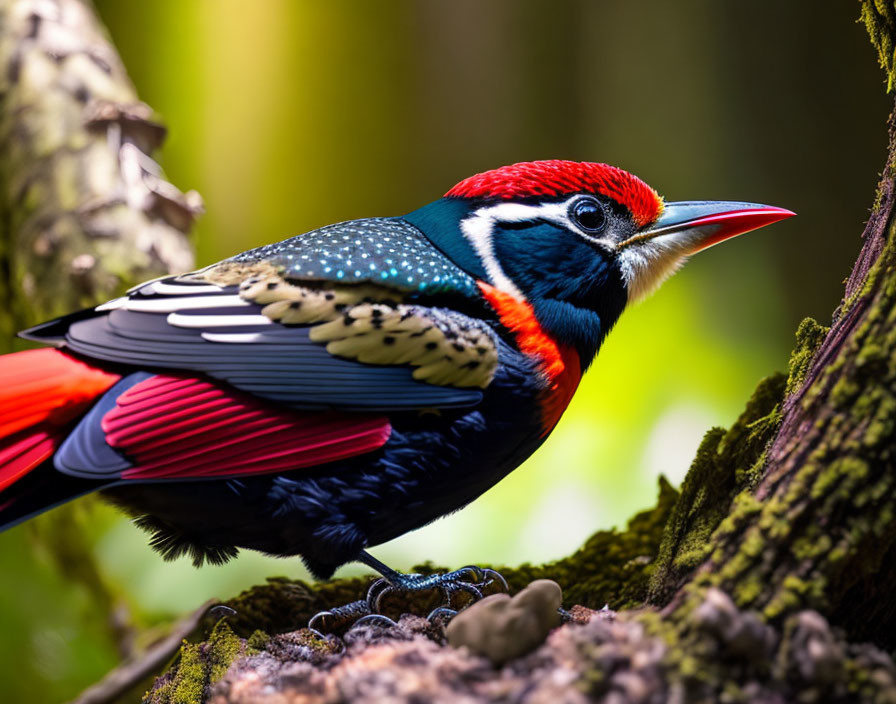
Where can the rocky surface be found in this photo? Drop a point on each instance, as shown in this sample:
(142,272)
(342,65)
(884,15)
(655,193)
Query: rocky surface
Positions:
(630,658)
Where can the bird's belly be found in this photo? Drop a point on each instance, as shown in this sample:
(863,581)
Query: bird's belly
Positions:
(446,472)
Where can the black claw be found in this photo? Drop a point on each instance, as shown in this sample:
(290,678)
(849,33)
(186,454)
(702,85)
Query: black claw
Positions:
(381,588)
(338,619)
(495,576)
(450,589)
(441,615)
(375,620)
(221,611)
(318,621)
(459,589)
(469,580)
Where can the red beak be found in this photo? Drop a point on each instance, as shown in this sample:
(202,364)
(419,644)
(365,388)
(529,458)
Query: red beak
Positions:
(701,224)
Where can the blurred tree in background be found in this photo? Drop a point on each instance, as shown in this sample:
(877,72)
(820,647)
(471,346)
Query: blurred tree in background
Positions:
(290,115)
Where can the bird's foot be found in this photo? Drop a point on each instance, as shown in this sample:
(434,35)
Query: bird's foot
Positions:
(440,596)
(459,588)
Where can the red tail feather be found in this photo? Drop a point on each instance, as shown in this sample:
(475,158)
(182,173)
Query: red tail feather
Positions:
(41,392)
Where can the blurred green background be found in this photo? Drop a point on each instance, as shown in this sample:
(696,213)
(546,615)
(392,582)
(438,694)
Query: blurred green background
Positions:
(289,115)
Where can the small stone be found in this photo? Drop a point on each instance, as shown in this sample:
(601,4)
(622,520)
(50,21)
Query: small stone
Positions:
(502,628)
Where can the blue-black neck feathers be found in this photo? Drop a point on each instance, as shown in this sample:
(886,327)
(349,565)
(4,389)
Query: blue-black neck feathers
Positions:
(440,221)
(574,287)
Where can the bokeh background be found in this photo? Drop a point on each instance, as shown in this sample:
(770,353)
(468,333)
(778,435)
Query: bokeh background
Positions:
(288,115)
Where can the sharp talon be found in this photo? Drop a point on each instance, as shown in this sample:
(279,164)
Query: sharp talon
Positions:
(314,621)
(458,588)
(376,590)
(449,589)
(443,613)
(221,611)
(495,576)
(473,570)
(342,617)
(375,620)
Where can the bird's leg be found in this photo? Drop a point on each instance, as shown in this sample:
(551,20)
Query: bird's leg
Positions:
(468,580)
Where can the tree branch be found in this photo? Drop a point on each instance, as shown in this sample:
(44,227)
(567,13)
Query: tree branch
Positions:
(85,210)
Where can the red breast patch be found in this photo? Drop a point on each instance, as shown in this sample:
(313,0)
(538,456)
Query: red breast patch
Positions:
(559,363)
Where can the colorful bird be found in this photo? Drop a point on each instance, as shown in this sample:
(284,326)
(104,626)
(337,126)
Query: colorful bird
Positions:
(325,394)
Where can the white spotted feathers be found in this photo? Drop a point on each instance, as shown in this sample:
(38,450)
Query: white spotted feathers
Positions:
(369,324)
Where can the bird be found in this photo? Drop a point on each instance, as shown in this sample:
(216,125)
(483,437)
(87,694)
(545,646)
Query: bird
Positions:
(323,395)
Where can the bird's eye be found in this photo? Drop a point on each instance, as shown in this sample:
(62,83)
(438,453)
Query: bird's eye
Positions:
(589,215)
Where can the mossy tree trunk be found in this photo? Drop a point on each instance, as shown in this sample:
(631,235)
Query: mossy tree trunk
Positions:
(84,210)
(813,523)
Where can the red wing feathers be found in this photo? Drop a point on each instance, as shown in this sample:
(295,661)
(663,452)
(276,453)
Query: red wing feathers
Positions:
(41,392)
(174,427)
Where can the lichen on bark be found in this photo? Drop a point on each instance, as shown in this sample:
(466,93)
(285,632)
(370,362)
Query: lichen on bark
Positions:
(198,666)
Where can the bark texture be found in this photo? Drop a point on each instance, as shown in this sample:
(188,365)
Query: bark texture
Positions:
(85,210)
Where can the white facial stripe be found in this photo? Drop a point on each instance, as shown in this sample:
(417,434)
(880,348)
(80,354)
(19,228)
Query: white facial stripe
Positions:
(479,229)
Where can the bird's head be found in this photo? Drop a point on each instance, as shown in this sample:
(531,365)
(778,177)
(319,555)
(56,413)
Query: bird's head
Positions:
(578,241)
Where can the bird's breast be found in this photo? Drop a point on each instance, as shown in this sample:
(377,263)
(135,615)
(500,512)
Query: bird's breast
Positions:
(558,365)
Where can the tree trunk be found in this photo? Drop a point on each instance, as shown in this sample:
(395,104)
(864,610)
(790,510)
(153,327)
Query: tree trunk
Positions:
(85,210)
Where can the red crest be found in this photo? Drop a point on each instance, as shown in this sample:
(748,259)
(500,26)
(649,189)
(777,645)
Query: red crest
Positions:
(558,177)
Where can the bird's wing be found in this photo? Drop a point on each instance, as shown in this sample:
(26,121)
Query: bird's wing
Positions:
(157,427)
(346,343)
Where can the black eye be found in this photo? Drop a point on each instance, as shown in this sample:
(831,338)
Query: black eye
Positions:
(589,215)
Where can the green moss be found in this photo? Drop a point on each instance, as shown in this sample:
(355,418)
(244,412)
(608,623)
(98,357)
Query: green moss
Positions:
(792,593)
(880,428)
(257,641)
(197,667)
(728,462)
(809,336)
(282,605)
(613,566)
(880,20)
(747,591)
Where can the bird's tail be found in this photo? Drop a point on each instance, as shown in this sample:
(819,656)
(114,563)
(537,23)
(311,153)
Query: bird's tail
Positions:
(42,393)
